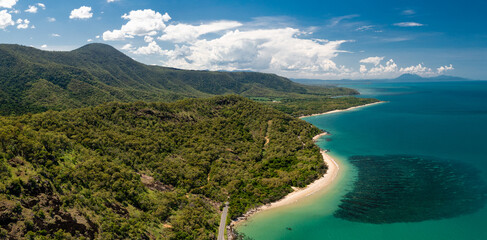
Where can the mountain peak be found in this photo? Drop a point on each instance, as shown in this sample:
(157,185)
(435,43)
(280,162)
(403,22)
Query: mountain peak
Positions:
(409,76)
(103,53)
(98,48)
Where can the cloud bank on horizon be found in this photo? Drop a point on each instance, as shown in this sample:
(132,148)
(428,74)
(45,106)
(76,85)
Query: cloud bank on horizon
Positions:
(266,44)
(232,46)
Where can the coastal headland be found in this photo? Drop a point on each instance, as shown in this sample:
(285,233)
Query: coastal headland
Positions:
(318,185)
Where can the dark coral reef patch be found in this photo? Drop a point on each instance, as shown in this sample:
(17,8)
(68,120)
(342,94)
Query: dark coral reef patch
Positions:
(406,188)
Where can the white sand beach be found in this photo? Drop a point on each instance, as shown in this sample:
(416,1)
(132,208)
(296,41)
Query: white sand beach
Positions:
(312,188)
(300,193)
(342,110)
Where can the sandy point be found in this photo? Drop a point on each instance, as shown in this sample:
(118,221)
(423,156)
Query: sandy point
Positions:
(343,110)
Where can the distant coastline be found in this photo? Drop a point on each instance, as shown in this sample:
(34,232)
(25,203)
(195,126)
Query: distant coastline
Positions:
(342,110)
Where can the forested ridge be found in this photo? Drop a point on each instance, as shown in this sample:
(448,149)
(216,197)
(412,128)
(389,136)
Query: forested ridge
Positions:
(148,170)
(32,80)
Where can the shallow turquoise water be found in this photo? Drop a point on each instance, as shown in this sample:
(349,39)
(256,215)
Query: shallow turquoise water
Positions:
(443,120)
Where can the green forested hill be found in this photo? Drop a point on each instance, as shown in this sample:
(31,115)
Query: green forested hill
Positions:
(148,170)
(33,80)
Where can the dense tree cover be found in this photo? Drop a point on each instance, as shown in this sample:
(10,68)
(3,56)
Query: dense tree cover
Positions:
(33,81)
(148,170)
(306,106)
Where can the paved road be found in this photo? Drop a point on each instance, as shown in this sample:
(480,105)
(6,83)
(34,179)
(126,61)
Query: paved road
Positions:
(223,221)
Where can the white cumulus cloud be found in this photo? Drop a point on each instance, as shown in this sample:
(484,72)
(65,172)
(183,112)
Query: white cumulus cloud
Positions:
(443,69)
(372,60)
(228,45)
(231,45)
(408,24)
(5,19)
(31,9)
(363,69)
(128,47)
(23,24)
(51,19)
(140,23)
(390,67)
(271,50)
(148,39)
(152,48)
(417,69)
(55,35)
(109,1)
(115,35)
(8,3)
(34,8)
(185,32)
(83,12)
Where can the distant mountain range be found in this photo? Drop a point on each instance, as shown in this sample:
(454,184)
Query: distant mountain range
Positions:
(403,78)
(32,80)
(416,78)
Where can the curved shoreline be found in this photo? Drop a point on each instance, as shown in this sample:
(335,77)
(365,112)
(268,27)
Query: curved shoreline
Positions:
(342,110)
(310,189)
(300,193)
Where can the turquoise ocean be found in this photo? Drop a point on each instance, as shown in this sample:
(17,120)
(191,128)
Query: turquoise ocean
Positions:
(441,120)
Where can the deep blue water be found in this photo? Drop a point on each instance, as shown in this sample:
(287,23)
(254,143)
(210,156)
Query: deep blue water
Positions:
(441,120)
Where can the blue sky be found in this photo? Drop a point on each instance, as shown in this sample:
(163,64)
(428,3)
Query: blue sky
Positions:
(298,39)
